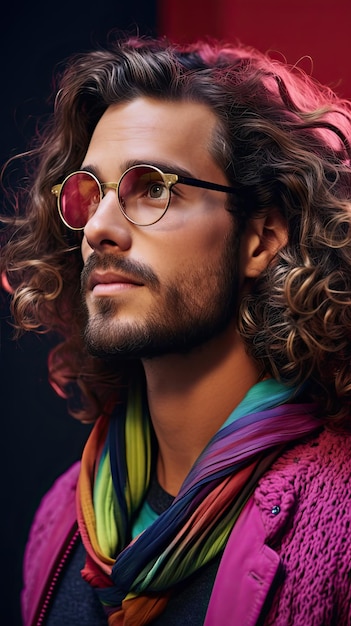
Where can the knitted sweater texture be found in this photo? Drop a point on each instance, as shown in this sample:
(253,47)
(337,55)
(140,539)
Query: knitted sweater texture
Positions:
(311,486)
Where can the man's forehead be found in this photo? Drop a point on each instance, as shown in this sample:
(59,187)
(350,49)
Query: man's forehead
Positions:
(150,114)
(163,133)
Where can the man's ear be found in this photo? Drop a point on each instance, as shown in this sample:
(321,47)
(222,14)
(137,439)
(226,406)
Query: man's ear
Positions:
(263,238)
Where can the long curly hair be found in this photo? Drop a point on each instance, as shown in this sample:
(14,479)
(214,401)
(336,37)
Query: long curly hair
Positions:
(283,142)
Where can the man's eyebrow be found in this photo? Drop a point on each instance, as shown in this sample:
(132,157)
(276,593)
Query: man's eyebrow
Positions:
(164,166)
(92,169)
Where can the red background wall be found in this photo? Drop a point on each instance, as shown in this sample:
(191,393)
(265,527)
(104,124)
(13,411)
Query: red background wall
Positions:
(319,29)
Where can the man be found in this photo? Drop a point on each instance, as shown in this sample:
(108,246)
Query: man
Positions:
(204,196)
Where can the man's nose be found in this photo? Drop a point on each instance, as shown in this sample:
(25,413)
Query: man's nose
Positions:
(108,226)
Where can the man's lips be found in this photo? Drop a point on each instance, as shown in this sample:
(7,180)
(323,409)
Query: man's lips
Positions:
(110,280)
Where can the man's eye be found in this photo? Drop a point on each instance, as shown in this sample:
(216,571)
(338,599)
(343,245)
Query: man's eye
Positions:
(157,190)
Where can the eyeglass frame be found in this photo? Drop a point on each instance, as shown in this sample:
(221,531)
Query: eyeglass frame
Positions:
(168,178)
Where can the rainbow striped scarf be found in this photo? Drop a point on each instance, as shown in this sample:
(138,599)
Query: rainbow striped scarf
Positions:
(134,578)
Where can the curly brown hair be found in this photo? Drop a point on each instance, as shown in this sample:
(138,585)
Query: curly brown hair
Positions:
(282,140)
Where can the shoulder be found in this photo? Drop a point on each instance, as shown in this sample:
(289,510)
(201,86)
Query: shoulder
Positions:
(56,503)
(56,500)
(53,521)
(62,490)
(319,461)
(305,505)
(312,476)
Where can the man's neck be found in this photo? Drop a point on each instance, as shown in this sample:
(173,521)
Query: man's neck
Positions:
(190,397)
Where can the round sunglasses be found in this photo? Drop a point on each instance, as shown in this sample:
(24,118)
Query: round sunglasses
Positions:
(143,193)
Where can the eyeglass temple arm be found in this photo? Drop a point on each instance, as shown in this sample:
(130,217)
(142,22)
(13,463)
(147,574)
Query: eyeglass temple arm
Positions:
(203,184)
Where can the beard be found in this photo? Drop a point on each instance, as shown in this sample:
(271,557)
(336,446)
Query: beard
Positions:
(196,307)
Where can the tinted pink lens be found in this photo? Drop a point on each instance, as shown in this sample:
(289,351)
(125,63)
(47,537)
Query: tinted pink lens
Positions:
(79,198)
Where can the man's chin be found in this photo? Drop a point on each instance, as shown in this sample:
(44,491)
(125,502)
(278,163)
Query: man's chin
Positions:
(143,347)
(110,345)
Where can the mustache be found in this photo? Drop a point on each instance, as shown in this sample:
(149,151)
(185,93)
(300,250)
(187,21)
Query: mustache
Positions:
(141,272)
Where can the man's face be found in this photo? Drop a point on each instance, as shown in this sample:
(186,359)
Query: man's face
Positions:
(169,287)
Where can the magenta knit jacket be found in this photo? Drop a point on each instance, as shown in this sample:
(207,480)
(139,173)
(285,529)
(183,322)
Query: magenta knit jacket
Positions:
(304,504)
